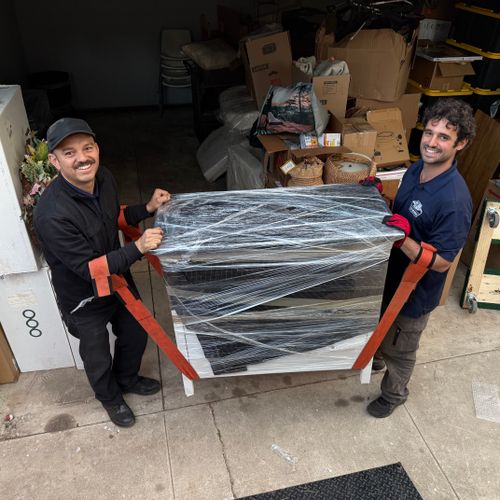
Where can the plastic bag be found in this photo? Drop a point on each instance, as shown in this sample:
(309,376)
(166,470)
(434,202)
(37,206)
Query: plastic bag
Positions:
(237,109)
(294,109)
(244,171)
(212,154)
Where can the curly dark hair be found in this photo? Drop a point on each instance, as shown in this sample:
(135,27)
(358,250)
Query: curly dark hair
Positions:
(458,113)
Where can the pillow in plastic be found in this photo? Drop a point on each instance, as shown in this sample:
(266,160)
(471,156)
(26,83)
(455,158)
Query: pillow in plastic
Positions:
(294,109)
(244,170)
(210,55)
(212,154)
(238,109)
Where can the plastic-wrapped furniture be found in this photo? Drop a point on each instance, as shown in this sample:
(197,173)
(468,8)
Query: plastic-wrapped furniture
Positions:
(274,280)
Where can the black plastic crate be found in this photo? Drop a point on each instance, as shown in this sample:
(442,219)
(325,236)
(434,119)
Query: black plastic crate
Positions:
(430,96)
(477,27)
(487,70)
(484,99)
(487,73)
(493,5)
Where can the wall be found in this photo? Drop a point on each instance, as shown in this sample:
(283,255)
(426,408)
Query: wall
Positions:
(12,63)
(110,48)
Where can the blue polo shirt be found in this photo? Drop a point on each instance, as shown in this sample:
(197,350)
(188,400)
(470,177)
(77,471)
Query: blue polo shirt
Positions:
(440,213)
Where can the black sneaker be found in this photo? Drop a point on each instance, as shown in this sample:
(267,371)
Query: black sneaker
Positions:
(144,386)
(381,408)
(121,415)
(378,364)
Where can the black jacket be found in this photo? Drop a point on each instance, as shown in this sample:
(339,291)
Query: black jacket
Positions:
(73,230)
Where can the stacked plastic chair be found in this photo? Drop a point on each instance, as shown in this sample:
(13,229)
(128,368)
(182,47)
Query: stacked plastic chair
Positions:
(173,71)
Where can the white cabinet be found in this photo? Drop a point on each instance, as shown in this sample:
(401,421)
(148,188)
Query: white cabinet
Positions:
(32,322)
(17,254)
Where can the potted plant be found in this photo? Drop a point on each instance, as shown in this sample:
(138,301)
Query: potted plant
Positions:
(36,173)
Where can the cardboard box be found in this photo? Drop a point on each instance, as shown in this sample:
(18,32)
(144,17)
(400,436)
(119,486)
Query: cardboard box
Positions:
(440,75)
(267,61)
(379,63)
(408,104)
(390,189)
(331,91)
(357,134)
(17,253)
(276,145)
(32,323)
(9,372)
(391,147)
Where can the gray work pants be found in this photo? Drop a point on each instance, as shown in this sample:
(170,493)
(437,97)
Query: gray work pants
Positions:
(399,351)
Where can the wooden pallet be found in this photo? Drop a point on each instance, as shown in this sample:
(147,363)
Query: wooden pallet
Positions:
(482,286)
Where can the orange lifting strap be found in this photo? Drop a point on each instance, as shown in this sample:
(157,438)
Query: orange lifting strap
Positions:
(105,284)
(413,274)
(133,233)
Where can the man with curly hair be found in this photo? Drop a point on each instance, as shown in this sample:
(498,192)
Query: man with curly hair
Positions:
(433,205)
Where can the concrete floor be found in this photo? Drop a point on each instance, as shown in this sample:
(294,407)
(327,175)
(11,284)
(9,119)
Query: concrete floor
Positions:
(218,443)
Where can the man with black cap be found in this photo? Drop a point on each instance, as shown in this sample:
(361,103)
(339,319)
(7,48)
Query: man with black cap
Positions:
(76,221)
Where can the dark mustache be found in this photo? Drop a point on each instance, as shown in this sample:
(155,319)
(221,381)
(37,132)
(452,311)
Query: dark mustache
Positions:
(82,163)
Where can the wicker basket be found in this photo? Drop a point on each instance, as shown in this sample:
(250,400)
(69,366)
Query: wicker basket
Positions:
(309,172)
(348,168)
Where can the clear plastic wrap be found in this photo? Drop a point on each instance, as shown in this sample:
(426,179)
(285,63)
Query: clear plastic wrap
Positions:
(238,110)
(275,280)
(244,170)
(212,154)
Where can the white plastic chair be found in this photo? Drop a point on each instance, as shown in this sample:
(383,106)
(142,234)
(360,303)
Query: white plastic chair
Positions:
(173,72)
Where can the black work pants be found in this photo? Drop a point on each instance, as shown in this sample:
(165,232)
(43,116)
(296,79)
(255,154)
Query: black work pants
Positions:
(108,375)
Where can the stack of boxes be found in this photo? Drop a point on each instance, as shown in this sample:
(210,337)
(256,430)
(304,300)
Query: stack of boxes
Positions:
(268,61)
(385,110)
(477,31)
(28,309)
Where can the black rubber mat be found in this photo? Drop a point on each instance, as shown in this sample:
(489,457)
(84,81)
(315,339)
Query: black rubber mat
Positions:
(389,482)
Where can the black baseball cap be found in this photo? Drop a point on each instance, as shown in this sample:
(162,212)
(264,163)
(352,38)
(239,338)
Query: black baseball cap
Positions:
(65,127)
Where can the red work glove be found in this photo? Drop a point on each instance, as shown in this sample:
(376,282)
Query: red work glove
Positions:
(400,222)
(372,181)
